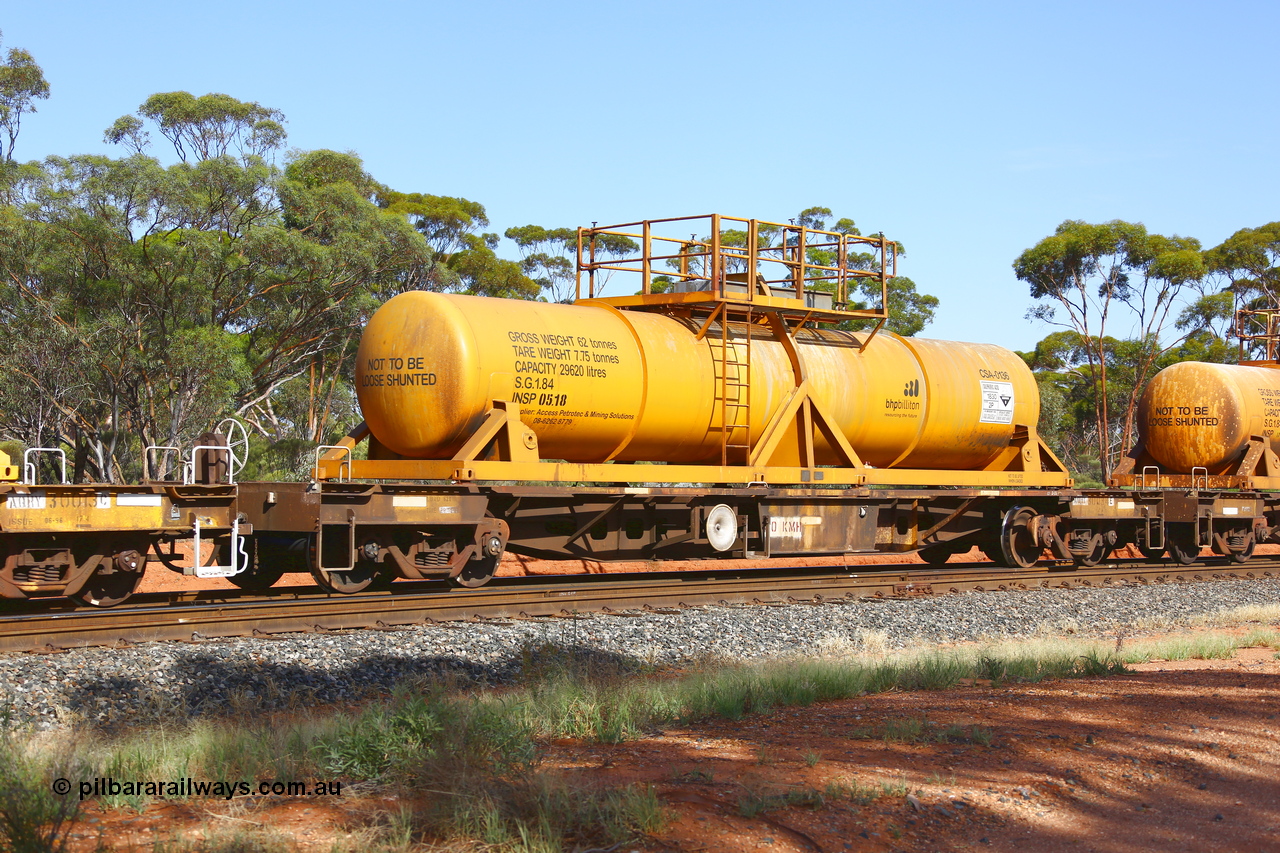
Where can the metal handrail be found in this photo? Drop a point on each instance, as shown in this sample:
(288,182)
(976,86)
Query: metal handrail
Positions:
(147,460)
(189,474)
(315,471)
(799,271)
(29,467)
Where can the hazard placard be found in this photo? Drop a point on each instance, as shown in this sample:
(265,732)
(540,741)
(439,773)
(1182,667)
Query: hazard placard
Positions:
(997,403)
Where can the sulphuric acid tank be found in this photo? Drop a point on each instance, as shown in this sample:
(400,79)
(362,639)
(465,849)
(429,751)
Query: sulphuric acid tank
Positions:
(596,383)
(1200,415)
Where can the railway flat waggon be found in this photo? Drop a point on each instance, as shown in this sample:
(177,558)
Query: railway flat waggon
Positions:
(743,402)
(1204,456)
(92,541)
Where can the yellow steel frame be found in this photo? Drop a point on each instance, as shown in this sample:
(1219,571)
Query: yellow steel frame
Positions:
(1260,324)
(8,471)
(505,448)
(1257,470)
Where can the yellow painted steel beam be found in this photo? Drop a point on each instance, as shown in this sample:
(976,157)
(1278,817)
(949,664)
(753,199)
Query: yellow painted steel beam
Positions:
(571,472)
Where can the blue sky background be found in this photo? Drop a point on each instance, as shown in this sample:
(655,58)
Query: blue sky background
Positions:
(967,131)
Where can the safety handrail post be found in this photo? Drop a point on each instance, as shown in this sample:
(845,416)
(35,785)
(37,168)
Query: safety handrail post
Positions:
(29,468)
(342,463)
(780,276)
(147,459)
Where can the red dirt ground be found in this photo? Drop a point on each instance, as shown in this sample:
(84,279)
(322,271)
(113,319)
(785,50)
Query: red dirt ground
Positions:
(1172,757)
(159,579)
(1176,756)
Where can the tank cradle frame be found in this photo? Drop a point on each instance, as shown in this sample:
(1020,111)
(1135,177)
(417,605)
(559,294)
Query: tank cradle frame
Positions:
(504,448)
(1258,469)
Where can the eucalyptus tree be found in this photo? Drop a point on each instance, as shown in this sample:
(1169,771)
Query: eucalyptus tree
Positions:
(910,311)
(1247,264)
(1114,274)
(549,256)
(22,83)
(463,257)
(176,294)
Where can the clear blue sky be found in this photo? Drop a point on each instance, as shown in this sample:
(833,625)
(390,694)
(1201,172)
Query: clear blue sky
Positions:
(967,131)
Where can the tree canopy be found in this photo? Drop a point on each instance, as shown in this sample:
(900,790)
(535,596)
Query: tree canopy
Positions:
(1128,303)
(22,83)
(149,295)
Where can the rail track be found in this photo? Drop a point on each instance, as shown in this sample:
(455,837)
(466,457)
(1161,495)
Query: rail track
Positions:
(195,616)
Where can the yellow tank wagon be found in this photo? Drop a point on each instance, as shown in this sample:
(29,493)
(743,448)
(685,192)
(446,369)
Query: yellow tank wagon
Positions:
(748,406)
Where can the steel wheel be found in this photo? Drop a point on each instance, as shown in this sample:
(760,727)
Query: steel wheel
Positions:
(114,579)
(1181,540)
(480,569)
(477,572)
(258,577)
(1099,553)
(365,575)
(1151,554)
(1017,540)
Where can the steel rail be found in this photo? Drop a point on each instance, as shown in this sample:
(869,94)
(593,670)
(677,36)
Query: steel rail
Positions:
(197,616)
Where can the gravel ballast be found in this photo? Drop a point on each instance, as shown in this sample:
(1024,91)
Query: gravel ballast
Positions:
(153,681)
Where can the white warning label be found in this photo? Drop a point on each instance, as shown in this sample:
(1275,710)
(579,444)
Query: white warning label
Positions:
(34,500)
(997,403)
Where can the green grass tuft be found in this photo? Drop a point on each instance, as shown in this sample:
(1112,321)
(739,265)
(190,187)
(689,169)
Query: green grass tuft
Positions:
(478,753)
(33,818)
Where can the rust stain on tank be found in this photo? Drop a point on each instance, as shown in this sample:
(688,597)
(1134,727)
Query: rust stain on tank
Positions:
(1201,415)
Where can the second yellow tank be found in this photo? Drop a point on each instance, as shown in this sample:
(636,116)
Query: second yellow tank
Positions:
(1201,415)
